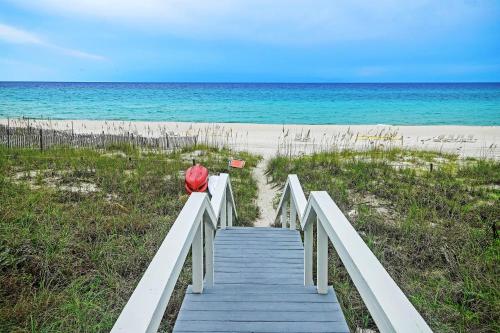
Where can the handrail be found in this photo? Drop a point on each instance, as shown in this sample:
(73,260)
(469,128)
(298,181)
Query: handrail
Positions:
(197,220)
(389,307)
(298,197)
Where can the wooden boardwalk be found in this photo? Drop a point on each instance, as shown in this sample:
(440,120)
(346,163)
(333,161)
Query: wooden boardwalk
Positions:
(261,279)
(259,287)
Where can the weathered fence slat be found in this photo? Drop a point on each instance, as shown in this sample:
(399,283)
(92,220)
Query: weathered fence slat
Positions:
(29,137)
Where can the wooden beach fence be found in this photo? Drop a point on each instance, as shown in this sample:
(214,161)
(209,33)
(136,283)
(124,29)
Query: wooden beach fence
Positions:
(29,137)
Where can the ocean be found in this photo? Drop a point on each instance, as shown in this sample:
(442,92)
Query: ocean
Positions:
(268,103)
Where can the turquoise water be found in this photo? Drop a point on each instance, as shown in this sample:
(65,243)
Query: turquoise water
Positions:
(397,104)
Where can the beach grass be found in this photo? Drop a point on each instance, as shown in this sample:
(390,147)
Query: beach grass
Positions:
(431,219)
(79,227)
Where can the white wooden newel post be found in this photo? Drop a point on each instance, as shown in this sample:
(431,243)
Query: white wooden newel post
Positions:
(223,212)
(229,212)
(197,254)
(209,253)
(284,212)
(293,214)
(322,259)
(308,255)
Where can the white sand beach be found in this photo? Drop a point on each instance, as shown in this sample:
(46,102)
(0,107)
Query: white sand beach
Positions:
(270,139)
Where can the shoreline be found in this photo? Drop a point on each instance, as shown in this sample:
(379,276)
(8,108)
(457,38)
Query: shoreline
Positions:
(3,119)
(270,139)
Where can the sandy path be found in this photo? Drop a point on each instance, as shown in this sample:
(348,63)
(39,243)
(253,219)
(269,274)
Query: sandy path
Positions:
(265,196)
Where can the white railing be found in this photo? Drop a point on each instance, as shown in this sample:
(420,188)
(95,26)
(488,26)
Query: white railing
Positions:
(389,307)
(198,218)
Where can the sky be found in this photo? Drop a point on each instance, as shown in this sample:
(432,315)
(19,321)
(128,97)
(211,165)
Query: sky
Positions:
(250,40)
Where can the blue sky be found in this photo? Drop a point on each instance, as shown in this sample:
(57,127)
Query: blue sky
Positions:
(250,40)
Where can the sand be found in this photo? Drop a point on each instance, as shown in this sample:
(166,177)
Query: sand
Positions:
(268,139)
(265,196)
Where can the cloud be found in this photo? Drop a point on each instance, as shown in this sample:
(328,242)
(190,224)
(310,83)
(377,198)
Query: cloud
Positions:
(14,35)
(279,21)
(79,54)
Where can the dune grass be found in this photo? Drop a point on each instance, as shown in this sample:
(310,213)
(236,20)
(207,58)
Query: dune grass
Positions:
(79,227)
(435,232)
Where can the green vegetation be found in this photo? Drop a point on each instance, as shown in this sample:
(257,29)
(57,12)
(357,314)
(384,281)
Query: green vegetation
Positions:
(435,232)
(79,227)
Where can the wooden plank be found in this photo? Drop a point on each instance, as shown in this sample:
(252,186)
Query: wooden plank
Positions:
(296,264)
(258,253)
(258,247)
(267,270)
(237,316)
(270,255)
(271,265)
(288,253)
(259,306)
(252,281)
(243,267)
(257,279)
(263,297)
(284,246)
(259,229)
(276,255)
(258,240)
(246,289)
(262,259)
(257,327)
(258,275)
(253,238)
(263,244)
(255,259)
(262,231)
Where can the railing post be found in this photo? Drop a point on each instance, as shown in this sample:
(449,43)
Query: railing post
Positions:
(308,255)
(8,132)
(229,211)
(293,214)
(284,212)
(223,211)
(41,139)
(197,254)
(8,137)
(209,254)
(322,258)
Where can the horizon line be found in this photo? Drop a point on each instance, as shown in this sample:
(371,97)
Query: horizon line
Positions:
(255,82)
